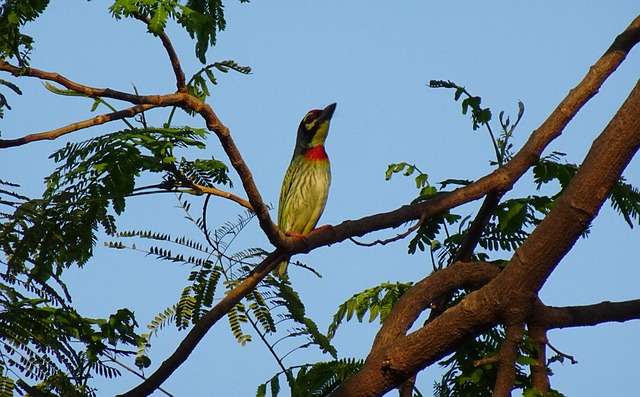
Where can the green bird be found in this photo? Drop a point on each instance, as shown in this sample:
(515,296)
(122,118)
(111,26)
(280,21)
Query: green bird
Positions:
(306,184)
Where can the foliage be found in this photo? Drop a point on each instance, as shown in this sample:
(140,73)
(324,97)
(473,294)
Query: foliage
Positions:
(94,176)
(273,303)
(202,19)
(46,340)
(14,14)
(197,84)
(317,380)
(377,301)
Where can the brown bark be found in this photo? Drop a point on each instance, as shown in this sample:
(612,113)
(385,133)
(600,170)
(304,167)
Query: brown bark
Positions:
(550,317)
(506,376)
(539,372)
(510,296)
(171,53)
(58,132)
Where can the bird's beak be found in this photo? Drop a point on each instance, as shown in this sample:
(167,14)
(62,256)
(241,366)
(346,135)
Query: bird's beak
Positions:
(327,112)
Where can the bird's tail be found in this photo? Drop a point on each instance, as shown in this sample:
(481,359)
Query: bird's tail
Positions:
(281,269)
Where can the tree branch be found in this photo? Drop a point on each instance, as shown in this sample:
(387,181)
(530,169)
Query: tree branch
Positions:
(203,325)
(550,317)
(58,132)
(173,57)
(221,193)
(507,356)
(539,372)
(473,234)
(188,102)
(509,297)
(418,298)
(501,179)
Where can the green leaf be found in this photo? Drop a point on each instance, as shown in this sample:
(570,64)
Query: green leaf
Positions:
(275,386)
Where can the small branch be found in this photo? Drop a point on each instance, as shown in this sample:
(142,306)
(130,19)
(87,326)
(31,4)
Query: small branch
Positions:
(221,193)
(389,240)
(136,373)
(508,354)
(562,354)
(97,120)
(473,234)
(173,57)
(499,158)
(539,372)
(270,348)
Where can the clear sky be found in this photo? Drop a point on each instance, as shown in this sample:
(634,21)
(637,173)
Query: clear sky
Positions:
(374,59)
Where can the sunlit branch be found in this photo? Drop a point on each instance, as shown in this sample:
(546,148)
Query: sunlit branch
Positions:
(58,132)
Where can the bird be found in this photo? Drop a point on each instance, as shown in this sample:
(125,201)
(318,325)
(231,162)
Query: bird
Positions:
(305,187)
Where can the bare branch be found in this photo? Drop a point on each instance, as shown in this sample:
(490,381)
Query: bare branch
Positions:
(221,193)
(551,317)
(562,354)
(388,240)
(173,57)
(58,132)
(406,389)
(539,372)
(418,298)
(473,234)
(508,354)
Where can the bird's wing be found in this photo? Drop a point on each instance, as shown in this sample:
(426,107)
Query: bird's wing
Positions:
(285,193)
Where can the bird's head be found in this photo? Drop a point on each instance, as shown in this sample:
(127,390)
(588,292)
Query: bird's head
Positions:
(314,127)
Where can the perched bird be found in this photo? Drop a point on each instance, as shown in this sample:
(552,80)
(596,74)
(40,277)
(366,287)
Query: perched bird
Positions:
(306,184)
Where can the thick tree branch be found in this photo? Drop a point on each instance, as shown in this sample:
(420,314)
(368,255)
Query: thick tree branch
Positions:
(506,376)
(509,296)
(58,132)
(550,317)
(171,52)
(205,323)
(419,297)
(539,372)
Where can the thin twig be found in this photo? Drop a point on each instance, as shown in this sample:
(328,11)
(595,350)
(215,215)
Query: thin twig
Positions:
(389,240)
(560,353)
(171,52)
(270,348)
(136,373)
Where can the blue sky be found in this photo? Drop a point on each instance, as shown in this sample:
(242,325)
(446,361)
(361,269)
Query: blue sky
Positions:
(374,59)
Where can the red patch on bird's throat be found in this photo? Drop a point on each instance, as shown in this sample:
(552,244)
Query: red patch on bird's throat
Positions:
(316,153)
